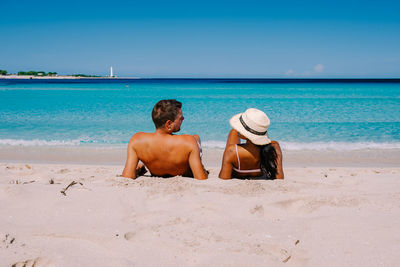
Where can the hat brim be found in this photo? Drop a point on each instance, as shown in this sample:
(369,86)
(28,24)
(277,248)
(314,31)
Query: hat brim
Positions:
(255,139)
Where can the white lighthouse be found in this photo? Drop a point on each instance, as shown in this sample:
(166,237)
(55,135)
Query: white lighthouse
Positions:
(111,72)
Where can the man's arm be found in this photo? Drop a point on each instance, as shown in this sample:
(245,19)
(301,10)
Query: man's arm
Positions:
(195,162)
(131,163)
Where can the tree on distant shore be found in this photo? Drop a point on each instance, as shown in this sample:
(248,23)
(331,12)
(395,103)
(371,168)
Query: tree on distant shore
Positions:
(84,75)
(3,72)
(42,73)
(31,72)
(36,73)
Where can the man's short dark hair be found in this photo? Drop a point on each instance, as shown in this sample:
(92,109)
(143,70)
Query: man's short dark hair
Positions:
(165,110)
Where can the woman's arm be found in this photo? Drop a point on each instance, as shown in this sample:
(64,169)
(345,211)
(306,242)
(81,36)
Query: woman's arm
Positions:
(226,168)
(233,138)
(279,166)
(229,153)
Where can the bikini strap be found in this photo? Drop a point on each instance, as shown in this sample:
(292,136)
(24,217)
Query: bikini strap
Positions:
(237,154)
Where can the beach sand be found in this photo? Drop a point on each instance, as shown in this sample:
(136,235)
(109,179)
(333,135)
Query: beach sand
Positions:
(322,214)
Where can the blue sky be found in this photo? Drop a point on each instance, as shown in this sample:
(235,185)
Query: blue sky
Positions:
(203,38)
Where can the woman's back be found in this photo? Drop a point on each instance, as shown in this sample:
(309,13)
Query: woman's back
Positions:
(247,161)
(259,156)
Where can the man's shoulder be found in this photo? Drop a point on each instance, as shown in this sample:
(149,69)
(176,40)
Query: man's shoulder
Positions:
(186,138)
(139,137)
(141,134)
(185,141)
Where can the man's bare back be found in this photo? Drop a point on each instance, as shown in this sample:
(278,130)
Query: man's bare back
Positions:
(164,153)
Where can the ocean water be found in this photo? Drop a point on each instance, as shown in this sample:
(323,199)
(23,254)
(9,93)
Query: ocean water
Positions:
(304,115)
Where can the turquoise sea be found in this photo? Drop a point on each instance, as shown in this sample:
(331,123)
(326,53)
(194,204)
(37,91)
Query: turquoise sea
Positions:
(304,115)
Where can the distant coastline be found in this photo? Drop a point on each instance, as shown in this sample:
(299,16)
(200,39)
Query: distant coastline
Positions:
(71,78)
(57,77)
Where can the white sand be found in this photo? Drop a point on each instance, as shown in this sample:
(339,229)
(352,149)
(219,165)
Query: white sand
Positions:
(317,216)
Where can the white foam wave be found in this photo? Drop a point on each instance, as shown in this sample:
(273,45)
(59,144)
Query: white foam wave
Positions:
(38,142)
(320,146)
(214,144)
(338,146)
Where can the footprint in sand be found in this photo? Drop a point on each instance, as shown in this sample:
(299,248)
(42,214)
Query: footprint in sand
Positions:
(8,241)
(38,262)
(258,209)
(63,171)
(129,235)
(10,167)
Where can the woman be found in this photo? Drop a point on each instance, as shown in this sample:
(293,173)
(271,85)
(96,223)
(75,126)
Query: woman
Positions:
(259,156)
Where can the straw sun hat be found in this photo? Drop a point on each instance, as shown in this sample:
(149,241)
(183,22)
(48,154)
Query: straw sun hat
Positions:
(253,124)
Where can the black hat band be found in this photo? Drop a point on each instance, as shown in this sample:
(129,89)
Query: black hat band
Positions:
(249,129)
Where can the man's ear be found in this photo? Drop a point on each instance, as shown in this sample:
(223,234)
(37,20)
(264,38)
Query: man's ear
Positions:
(168,124)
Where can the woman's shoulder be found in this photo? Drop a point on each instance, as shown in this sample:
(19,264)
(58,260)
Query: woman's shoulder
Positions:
(230,153)
(275,144)
(231,148)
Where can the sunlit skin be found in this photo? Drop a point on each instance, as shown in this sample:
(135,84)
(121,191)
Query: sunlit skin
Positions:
(249,155)
(165,154)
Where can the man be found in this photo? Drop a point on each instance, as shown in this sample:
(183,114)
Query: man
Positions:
(162,152)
